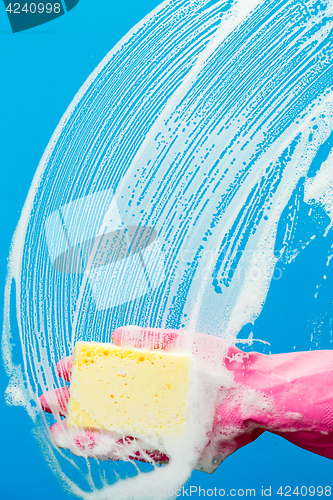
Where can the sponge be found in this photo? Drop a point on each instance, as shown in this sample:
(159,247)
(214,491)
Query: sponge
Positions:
(128,390)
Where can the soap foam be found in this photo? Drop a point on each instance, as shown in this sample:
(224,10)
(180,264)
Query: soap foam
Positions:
(220,130)
(319,189)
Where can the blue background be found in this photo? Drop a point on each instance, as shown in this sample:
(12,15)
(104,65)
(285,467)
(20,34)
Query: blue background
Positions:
(41,71)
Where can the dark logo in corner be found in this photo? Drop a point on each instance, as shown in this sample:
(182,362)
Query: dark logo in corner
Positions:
(24,15)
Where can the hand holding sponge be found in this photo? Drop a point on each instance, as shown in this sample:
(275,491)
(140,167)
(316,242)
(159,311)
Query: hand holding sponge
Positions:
(148,373)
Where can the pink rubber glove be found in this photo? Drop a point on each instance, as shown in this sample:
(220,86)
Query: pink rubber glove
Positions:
(300,385)
(287,394)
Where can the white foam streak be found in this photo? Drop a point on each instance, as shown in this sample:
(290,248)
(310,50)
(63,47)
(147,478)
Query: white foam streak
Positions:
(319,189)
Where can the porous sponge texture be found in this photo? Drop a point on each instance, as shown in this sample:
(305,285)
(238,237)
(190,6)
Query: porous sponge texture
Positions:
(128,390)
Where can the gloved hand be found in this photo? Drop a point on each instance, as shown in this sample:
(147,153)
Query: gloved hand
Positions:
(287,394)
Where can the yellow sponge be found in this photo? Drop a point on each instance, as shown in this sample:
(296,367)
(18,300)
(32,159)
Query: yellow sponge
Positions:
(128,390)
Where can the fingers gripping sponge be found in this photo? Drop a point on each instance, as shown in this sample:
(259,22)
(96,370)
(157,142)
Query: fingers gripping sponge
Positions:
(128,390)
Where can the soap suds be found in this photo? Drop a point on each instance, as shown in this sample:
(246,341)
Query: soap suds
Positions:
(209,138)
(319,189)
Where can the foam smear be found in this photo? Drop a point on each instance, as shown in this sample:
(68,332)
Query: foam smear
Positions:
(158,199)
(319,189)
